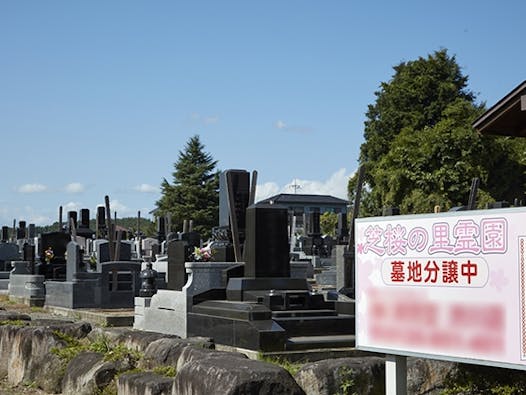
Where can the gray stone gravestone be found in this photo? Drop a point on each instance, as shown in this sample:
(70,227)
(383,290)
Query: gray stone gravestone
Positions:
(74,260)
(31,232)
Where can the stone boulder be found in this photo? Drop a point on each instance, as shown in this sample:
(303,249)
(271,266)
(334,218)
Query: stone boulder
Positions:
(166,351)
(229,374)
(27,351)
(139,340)
(363,375)
(427,376)
(88,373)
(13,316)
(146,383)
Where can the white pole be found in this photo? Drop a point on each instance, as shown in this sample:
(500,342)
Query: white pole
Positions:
(395,375)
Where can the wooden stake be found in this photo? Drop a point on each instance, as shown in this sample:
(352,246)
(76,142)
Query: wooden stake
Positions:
(356,206)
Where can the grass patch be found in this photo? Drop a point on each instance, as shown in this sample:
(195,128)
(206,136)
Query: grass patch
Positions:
(167,371)
(291,367)
(14,322)
(347,384)
(111,352)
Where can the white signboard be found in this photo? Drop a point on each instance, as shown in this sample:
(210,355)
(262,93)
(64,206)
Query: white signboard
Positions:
(446,286)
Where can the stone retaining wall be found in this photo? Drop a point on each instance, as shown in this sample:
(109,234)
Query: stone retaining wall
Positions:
(134,362)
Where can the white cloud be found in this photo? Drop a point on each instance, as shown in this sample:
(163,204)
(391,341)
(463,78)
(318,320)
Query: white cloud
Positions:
(31,188)
(335,185)
(281,125)
(292,128)
(146,188)
(204,119)
(266,190)
(74,187)
(40,220)
(120,208)
(71,206)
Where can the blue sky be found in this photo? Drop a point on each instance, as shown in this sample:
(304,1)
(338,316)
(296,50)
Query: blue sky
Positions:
(98,97)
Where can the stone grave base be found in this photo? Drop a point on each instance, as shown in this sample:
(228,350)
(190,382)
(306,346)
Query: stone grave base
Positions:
(27,288)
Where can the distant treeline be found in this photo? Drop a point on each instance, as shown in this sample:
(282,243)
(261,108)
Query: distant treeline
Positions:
(147,227)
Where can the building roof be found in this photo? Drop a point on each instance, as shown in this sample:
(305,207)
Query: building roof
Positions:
(290,198)
(507,117)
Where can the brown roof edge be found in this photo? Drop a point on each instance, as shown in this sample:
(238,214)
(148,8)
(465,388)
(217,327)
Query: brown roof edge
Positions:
(499,108)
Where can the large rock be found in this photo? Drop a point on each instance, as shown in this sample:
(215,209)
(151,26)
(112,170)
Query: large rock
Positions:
(190,354)
(13,316)
(140,340)
(166,351)
(229,375)
(88,373)
(26,350)
(364,375)
(427,376)
(146,383)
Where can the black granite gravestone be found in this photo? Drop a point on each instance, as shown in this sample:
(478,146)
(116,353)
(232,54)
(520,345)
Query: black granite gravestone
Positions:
(101,222)
(83,228)
(72,215)
(103,252)
(8,252)
(21,230)
(266,245)
(58,242)
(241,193)
(161,229)
(5,234)
(177,251)
(342,229)
(267,310)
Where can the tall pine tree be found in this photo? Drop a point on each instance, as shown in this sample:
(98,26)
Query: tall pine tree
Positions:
(193,194)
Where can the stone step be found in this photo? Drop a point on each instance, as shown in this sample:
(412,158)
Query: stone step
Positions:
(303,313)
(342,324)
(319,342)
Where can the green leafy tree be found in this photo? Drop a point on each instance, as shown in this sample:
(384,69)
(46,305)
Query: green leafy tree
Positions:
(193,194)
(420,149)
(328,223)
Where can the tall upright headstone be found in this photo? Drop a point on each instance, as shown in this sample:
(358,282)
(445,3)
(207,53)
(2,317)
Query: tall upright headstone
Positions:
(31,232)
(176,251)
(267,244)
(83,228)
(74,260)
(101,222)
(5,234)
(72,215)
(21,230)
(161,229)
(342,229)
(241,194)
